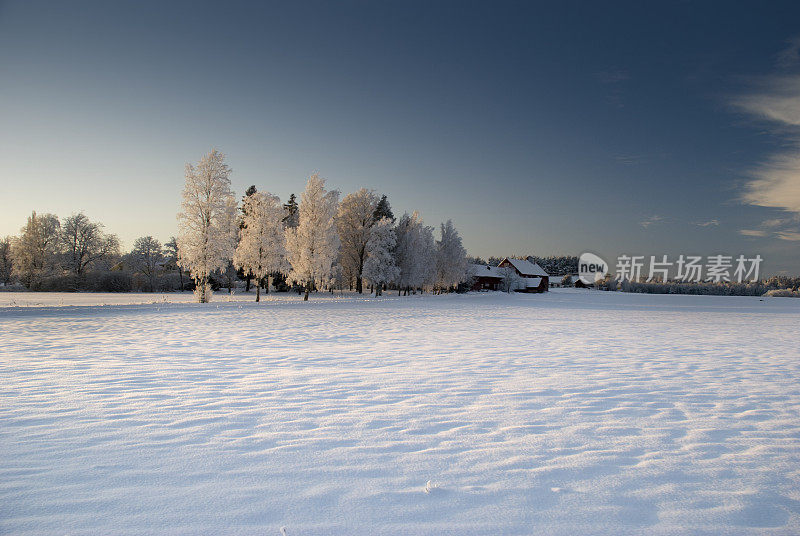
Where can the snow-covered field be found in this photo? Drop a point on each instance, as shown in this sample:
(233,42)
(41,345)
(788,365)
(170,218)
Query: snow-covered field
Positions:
(574,412)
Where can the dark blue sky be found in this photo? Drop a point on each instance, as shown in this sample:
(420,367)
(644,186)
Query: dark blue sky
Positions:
(538,128)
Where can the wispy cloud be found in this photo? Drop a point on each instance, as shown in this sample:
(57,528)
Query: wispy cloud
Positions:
(709,223)
(788,235)
(787,228)
(776,100)
(752,232)
(652,220)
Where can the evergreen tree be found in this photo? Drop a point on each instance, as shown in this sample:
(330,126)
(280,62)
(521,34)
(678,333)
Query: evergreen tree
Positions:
(171,254)
(383,210)
(5,260)
(291,220)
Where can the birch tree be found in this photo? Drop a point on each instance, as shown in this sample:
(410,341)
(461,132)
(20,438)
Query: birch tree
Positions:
(261,250)
(451,258)
(415,253)
(313,245)
(379,267)
(205,240)
(354,221)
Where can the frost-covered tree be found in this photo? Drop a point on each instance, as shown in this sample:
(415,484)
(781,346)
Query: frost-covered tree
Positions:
(147,257)
(354,221)
(451,258)
(206,241)
(83,242)
(511,279)
(233,223)
(379,267)
(261,250)
(5,260)
(33,253)
(415,253)
(250,191)
(313,245)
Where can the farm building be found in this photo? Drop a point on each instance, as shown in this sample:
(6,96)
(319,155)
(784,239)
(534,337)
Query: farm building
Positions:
(486,277)
(531,276)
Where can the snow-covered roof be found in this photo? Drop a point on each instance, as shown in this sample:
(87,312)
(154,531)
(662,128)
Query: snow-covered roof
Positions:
(533,282)
(527,268)
(480,270)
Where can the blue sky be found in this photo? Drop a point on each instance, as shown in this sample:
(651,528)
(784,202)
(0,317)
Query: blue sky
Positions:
(549,128)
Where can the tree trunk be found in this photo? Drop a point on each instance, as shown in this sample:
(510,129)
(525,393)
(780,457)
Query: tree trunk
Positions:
(305,298)
(258,293)
(201,289)
(359,285)
(247,282)
(266,287)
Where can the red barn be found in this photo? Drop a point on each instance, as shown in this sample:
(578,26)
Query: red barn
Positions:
(532,277)
(486,277)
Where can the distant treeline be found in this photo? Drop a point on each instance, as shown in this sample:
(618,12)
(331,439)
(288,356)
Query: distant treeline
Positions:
(773,286)
(553,265)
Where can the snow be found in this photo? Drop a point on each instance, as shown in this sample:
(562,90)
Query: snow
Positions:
(527,268)
(570,412)
(480,270)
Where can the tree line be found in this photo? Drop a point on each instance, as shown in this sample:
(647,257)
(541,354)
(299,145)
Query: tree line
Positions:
(321,243)
(75,253)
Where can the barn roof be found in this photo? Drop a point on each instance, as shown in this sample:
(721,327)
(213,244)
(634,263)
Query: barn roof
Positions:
(480,270)
(527,268)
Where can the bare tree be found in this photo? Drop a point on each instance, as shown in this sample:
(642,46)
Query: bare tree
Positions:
(33,254)
(147,257)
(83,242)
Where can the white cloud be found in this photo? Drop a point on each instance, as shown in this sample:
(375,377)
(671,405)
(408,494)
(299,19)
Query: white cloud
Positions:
(776,182)
(788,235)
(752,232)
(709,223)
(651,220)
